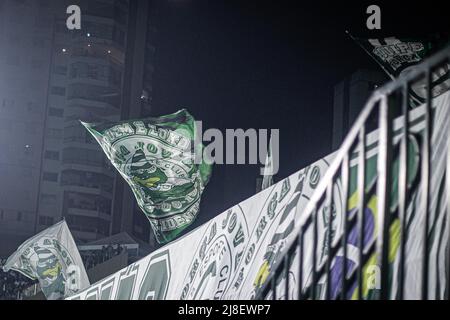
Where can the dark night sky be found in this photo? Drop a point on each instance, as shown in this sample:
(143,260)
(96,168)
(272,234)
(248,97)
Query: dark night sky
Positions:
(260,64)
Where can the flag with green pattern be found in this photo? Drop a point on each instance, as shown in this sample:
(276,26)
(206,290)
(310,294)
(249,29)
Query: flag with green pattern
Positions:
(156,158)
(398,56)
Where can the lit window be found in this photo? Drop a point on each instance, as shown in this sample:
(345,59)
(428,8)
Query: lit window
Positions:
(28,149)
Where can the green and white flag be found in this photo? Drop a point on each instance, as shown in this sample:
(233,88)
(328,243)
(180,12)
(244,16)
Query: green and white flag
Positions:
(398,56)
(156,157)
(52,258)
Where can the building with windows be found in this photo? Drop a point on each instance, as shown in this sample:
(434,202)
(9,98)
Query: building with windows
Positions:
(51,78)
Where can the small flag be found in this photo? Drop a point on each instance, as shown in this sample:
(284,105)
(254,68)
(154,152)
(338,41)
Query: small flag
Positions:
(156,157)
(398,56)
(52,258)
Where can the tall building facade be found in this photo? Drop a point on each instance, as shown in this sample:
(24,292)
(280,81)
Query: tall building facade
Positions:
(53,77)
(350,96)
(25,37)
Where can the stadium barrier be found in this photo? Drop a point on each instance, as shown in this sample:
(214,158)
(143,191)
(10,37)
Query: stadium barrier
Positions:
(389,103)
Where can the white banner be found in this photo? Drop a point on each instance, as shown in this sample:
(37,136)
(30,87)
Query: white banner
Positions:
(224,258)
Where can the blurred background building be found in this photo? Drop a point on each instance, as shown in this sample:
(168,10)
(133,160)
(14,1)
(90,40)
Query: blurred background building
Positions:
(350,95)
(51,78)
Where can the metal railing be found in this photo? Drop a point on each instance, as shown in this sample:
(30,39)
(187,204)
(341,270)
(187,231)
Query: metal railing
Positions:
(387,103)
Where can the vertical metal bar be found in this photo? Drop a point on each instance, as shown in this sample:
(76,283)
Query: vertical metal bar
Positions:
(329,204)
(425,179)
(300,265)
(287,257)
(314,255)
(345,177)
(361,206)
(383,192)
(274,285)
(448,200)
(403,191)
(447,175)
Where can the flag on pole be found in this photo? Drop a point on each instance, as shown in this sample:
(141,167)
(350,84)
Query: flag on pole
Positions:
(268,168)
(398,56)
(52,258)
(156,157)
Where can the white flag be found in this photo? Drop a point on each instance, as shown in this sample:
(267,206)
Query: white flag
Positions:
(51,257)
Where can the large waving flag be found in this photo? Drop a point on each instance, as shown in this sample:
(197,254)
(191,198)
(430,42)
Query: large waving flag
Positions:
(156,157)
(398,56)
(52,258)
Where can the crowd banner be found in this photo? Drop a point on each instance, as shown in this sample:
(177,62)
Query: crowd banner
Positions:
(232,255)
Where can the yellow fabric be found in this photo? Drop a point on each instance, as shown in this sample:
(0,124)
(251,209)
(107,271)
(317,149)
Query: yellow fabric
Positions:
(394,240)
(149,183)
(262,275)
(53,272)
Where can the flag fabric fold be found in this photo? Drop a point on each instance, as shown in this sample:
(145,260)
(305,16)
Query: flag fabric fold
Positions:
(52,258)
(397,56)
(156,157)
